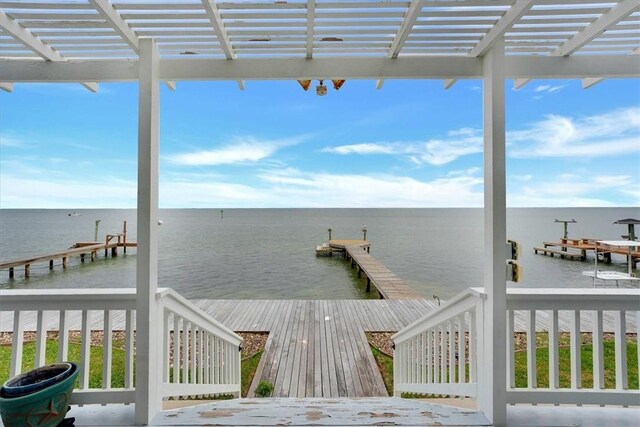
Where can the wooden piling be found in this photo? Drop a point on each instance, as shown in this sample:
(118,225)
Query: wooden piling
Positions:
(27,269)
(11,273)
(50,264)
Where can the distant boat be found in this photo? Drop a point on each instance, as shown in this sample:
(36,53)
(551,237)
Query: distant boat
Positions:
(74,214)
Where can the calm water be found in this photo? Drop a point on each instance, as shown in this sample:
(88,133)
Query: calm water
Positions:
(270,253)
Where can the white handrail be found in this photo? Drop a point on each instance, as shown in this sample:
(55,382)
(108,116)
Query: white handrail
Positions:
(207,362)
(431,355)
(83,310)
(425,351)
(201,356)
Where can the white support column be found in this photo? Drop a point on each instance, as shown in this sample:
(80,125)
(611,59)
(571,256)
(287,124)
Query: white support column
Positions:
(148,369)
(493,381)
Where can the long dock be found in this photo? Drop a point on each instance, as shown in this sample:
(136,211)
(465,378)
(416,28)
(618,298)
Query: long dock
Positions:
(578,249)
(111,244)
(388,285)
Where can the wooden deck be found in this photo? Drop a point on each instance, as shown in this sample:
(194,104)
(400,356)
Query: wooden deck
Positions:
(318,348)
(389,285)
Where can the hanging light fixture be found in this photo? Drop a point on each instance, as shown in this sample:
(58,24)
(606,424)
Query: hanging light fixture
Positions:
(321,89)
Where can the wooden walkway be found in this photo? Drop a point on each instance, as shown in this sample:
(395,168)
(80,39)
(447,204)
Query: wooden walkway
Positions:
(318,348)
(389,285)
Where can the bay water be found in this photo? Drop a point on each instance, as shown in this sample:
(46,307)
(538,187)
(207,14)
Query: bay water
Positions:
(270,253)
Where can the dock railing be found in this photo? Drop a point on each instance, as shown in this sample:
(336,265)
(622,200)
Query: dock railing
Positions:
(438,353)
(429,356)
(202,358)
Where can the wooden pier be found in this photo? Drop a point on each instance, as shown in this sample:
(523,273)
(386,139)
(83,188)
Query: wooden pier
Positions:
(111,244)
(388,285)
(579,248)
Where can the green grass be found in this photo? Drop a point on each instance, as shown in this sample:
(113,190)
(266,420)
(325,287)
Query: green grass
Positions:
(564,373)
(95,367)
(385,364)
(248,369)
(248,366)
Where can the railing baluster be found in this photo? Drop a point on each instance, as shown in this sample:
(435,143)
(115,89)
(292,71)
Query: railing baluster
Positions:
(41,339)
(473,356)
(576,349)
(167,347)
(410,359)
(429,356)
(511,375)
(423,374)
(452,349)
(128,350)
(185,351)
(554,355)
(598,351)
(436,356)
(531,350)
(63,337)
(107,341)
(194,358)
(17,342)
(201,358)
(461,347)
(621,350)
(85,350)
(176,349)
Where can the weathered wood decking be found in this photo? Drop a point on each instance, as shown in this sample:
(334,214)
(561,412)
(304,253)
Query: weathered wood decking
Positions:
(387,284)
(318,348)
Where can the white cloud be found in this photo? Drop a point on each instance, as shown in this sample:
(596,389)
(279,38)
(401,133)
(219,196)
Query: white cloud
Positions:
(45,193)
(547,88)
(609,134)
(241,150)
(295,188)
(461,142)
(576,190)
(366,148)
(9,141)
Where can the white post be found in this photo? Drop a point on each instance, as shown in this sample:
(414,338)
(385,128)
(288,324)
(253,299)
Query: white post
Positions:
(492,375)
(148,370)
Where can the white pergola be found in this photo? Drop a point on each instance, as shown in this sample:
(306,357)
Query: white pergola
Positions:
(93,41)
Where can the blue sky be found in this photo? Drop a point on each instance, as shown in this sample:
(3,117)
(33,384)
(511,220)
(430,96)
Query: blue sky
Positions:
(410,144)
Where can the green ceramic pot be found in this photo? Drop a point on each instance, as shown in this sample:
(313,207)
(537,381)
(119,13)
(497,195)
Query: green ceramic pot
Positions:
(44,408)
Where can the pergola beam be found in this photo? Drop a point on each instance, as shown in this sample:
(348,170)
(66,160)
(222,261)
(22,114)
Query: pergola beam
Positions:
(519,83)
(574,67)
(401,36)
(593,30)
(106,10)
(409,21)
(591,81)
(221,33)
(504,24)
(448,83)
(24,36)
(311,17)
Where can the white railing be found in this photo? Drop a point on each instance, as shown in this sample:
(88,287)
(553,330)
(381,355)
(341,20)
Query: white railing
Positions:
(207,354)
(426,350)
(582,313)
(201,356)
(438,353)
(74,312)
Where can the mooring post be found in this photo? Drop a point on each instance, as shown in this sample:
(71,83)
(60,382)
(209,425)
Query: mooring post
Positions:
(27,267)
(50,264)
(64,262)
(124,237)
(95,234)
(330,230)
(11,273)
(364,233)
